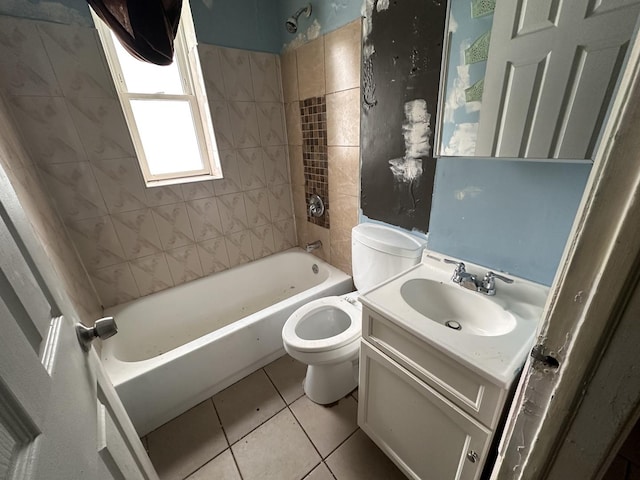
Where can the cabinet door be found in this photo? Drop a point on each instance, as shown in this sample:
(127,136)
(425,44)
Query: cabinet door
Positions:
(422,432)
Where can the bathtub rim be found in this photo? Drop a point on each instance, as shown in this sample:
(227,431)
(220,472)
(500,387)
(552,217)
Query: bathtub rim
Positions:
(121,371)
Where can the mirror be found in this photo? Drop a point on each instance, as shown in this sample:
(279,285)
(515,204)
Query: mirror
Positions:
(530,80)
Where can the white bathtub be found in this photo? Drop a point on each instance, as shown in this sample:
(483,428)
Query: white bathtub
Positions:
(177,347)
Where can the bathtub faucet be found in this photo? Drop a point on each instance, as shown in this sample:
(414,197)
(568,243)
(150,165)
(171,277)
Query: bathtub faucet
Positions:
(310,247)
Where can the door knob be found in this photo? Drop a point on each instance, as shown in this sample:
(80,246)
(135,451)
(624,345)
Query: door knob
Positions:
(104,328)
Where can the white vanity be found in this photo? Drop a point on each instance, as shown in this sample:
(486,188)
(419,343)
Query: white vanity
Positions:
(437,362)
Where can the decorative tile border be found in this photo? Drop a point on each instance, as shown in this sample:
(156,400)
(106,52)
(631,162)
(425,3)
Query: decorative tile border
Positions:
(313,115)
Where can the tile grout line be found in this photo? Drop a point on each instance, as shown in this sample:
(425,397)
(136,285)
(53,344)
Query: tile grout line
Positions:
(287,406)
(226,438)
(220,453)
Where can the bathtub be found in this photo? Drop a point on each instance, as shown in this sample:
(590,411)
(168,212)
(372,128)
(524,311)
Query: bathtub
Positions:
(177,347)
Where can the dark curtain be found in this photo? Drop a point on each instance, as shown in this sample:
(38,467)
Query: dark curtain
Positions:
(146,28)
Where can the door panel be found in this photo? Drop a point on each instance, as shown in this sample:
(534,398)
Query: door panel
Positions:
(49,408)
(557,110)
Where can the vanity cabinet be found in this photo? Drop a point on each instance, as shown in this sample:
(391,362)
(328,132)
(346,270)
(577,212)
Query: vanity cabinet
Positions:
(434,417)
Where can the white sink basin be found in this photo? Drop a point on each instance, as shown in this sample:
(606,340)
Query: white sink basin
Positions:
(496,332)
(457,309)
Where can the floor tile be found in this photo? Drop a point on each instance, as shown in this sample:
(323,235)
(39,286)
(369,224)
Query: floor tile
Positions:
(359,458)
(246,404)
(287,374)
(187,442)
(277,450)
(223,467)
(321,472)
(327,427)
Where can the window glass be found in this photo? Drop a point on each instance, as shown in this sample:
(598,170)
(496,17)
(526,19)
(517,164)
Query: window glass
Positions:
(168,135)
(143,77)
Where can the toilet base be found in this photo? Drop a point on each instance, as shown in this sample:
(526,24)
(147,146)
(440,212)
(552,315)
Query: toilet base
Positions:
(325,384)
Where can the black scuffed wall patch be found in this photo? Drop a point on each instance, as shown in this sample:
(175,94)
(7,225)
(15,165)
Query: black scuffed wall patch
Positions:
(406,41)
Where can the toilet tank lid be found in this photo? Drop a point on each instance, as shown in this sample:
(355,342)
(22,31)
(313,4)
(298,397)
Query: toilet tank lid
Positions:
(388,240)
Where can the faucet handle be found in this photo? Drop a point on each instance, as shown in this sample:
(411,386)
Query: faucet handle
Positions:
(460,269)
(460,265)
(489,283)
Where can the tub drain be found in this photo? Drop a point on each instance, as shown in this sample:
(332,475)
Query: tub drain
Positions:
(453,324)
(314,268)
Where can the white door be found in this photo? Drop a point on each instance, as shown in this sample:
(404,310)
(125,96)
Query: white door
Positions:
(60,418)
(551,72)
(567,422)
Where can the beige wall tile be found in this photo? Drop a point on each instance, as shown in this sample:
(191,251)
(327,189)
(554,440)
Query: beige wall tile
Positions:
(343,118)
(344,216)
(344,170)
(248,112)
(296,165)
(294,126)
(299,202)
(45,221)
(289,76)
(341,249)
(315,232)
(310,59)
(342,49)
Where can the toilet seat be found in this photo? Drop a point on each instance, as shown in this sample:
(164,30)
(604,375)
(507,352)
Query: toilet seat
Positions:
(351,333)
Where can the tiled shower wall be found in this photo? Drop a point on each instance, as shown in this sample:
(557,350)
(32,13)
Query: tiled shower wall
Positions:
(328,66)
(135,240)
(46,224)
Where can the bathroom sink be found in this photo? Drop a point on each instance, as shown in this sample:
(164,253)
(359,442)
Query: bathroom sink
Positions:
(457,309)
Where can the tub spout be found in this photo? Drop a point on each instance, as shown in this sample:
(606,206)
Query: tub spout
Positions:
(310,247)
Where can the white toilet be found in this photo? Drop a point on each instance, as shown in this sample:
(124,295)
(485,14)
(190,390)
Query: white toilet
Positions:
(325,333)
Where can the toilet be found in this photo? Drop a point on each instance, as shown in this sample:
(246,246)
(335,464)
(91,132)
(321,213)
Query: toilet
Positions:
(325,333)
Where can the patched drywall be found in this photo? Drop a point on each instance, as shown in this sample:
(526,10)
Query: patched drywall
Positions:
(401,71)
(513,216)
(326,16)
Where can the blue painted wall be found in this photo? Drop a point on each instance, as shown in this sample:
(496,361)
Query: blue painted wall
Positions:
(330,14)
(513,216)
(71,12)
(247,24)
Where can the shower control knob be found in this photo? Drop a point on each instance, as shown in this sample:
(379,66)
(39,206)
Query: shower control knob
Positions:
(104,328)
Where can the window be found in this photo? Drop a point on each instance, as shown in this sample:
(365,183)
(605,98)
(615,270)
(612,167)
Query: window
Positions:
(166,109)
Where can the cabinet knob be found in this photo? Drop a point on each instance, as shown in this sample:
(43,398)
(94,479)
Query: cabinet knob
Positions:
(472,456)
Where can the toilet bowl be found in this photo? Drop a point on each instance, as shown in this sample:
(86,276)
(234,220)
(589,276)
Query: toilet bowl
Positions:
(325,333)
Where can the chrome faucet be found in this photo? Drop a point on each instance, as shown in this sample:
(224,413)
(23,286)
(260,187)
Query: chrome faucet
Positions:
(462,277)
(310,247)
(470,281)
(488,286)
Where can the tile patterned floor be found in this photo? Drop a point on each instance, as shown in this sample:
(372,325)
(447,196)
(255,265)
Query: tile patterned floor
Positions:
(264,427)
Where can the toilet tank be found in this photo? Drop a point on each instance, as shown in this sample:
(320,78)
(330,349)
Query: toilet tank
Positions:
(379,252)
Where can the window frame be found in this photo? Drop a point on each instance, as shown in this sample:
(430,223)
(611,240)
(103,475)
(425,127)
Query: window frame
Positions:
(190,71)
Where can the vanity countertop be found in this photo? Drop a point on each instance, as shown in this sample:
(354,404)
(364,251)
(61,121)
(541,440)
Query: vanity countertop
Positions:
(497,358)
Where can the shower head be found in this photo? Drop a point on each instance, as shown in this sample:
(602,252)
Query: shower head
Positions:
(292,21)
